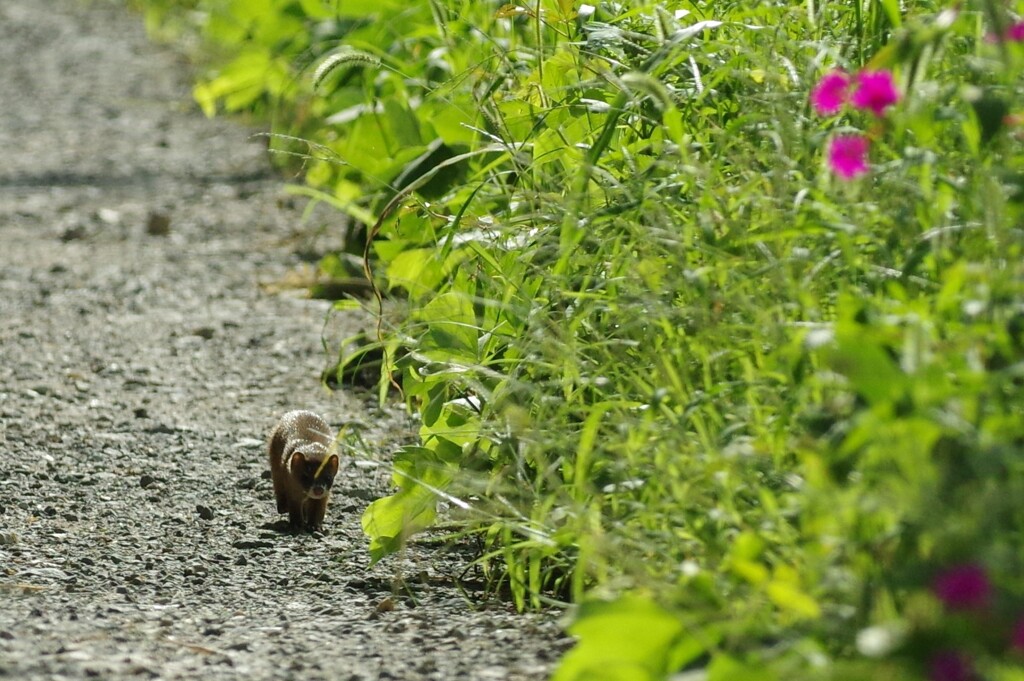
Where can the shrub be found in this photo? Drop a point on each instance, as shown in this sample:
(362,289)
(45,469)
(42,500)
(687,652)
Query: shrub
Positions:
(703,333)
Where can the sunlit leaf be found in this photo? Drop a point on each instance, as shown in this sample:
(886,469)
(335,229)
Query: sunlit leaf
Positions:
(630,638)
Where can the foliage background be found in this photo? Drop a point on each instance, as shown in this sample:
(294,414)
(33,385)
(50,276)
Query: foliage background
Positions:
(667,366)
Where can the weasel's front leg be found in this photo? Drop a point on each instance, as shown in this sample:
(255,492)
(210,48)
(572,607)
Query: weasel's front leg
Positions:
(296,516)
(316,509)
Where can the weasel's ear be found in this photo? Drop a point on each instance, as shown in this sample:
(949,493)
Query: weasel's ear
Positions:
(332,465)
(297,461)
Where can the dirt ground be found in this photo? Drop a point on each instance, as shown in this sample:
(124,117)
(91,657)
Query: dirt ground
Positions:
(142,363)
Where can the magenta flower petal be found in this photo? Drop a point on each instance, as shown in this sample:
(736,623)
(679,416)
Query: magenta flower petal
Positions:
(830,93)
(949,665)
(875,90)
(1017,638)
(847,156)
(1015,34)
(963,587)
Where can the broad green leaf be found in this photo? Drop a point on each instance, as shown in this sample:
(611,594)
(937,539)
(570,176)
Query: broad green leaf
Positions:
(390,521)
(206,99)
(990,111)
(629,638)
(420,476)
(451,325)
(751,571)
(561,74)
(725,668)
(403,123)
(871,370)
(319,9)
(366,147)
(548,148)
(747,546)
(364,9)
(251,74)
(454,425)
(693,644)
(790,598)
(417,270)
(452,120)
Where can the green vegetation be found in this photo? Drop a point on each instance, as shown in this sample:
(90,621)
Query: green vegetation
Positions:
(760,420)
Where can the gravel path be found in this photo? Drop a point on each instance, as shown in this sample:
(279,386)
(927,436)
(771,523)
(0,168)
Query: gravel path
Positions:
(142,362)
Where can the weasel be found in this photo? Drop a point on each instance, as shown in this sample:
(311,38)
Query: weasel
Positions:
(302,468)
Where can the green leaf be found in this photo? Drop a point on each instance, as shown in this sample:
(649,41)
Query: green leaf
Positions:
(318,9)
(363,9)
(451,119)
(561,73)
(870,369)
(420,475)
(725,668)
(390,521)
(788,597)
(451,325)
(366,147)
(206,99)
(990,111)
(241,82)
(892,12)
(453,425)
(752,571)
(629,638)
(403,123)
(417,270)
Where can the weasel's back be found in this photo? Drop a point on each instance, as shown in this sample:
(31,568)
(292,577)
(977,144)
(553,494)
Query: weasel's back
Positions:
(304,425)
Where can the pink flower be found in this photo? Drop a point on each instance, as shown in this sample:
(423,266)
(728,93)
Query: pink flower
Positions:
(875,90)
(830,93)
(1017,638)
(847,156)
(963,587)
(1014,34)
(949,665)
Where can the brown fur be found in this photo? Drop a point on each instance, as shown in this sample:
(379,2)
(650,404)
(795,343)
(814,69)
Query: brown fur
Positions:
(302,467)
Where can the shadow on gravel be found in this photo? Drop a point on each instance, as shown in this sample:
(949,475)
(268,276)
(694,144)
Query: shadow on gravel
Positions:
(144,178)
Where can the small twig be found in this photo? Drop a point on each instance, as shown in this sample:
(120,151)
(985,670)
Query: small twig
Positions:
(23,586)
(196,648)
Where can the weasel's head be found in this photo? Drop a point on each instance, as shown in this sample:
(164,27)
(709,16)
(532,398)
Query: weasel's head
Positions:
(315,472)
